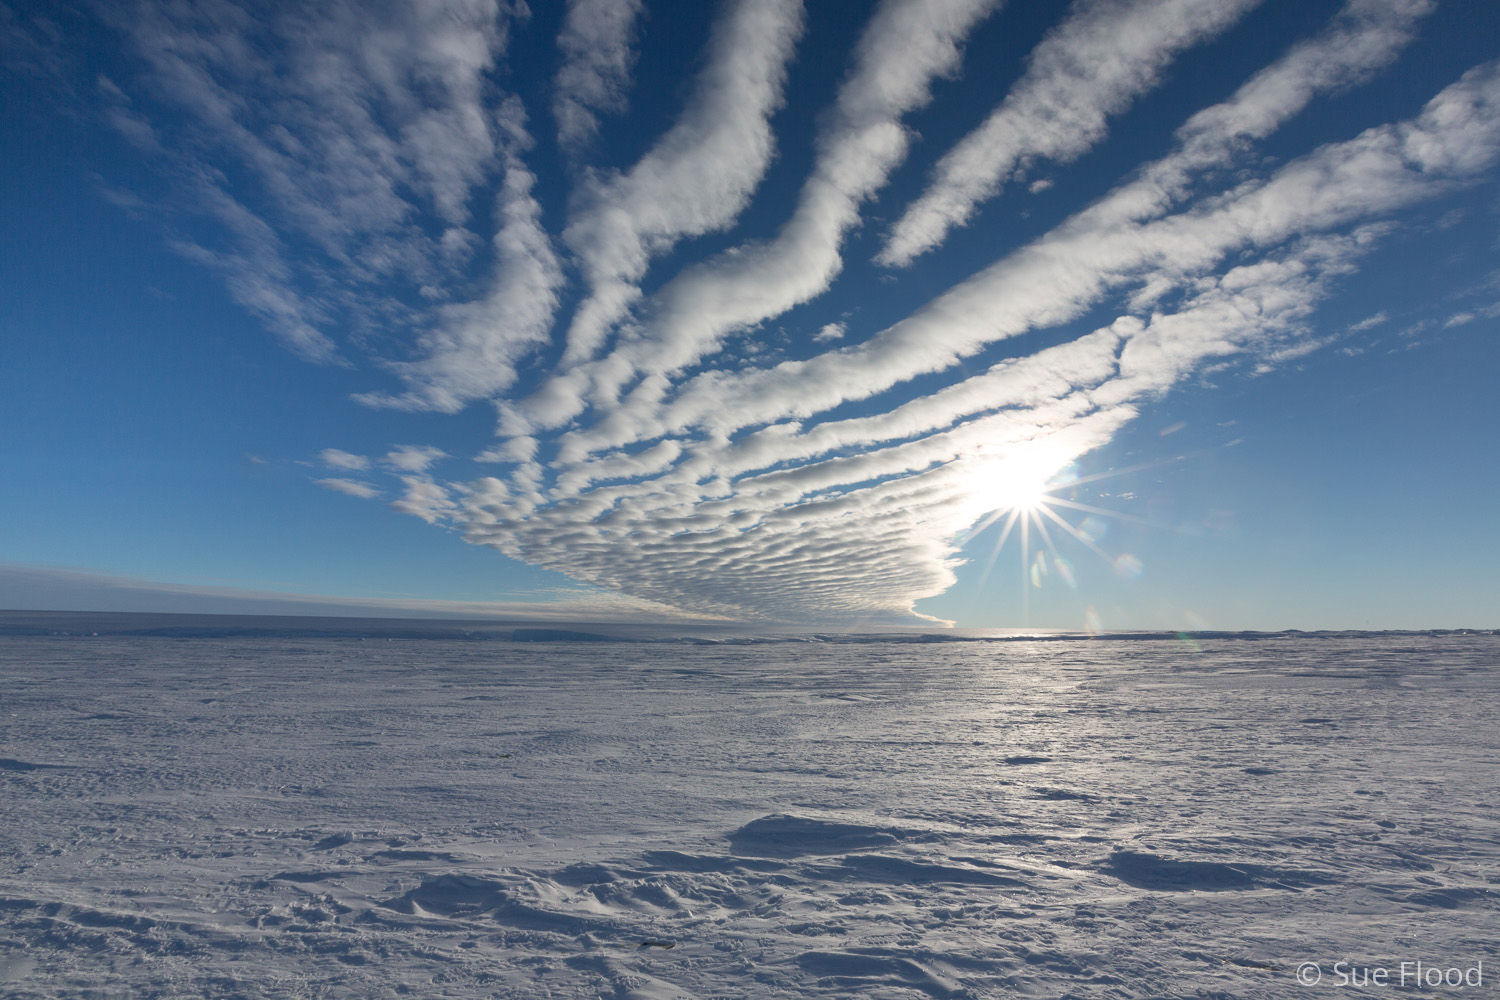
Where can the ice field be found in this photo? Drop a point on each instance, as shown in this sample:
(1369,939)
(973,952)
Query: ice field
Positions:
(288,816)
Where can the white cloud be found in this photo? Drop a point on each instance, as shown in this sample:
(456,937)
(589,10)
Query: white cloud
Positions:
(596,43)
(424,498)
(861,532)
(661,457)
(256,273)
(1088,69)
(854,519)
(343,124)
(413,458)
(906,45)
(471,350)
(1369,322)
(336,459)
(1365,36)
(696,179)
(1099,251)
(353,487)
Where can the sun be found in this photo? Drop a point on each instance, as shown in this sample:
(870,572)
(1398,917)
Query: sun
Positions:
(1013,483)
(1023,493)
(1030,495)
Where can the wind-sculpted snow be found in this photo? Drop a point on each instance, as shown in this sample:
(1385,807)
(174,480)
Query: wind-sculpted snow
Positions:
(693,405)
(293,816)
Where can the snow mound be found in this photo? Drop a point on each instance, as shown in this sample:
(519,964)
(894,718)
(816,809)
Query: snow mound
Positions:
(468,896)
(1152,871)
(878,868)
(782,836)
(1453,898)
(867,968)
(8,764)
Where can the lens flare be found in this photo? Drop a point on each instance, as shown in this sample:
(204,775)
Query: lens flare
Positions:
(1129,567)
(1065,570)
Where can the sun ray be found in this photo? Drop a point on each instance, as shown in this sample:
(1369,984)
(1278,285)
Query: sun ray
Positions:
(1041,527)
(1090,509)
(1025,567)
(983,523)
(1080,536)
(989,563)
(1095,477)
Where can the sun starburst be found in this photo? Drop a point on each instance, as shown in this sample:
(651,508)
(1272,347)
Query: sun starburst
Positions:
(1030,497)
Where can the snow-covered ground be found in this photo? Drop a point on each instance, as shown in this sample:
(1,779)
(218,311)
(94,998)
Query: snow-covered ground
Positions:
(329,817)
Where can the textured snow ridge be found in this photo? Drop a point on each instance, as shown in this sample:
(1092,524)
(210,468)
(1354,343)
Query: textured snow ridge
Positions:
(325,817)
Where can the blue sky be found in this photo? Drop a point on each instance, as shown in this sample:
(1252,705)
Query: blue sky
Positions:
(750,311)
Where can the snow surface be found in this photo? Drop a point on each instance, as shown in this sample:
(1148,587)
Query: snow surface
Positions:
(332,817)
